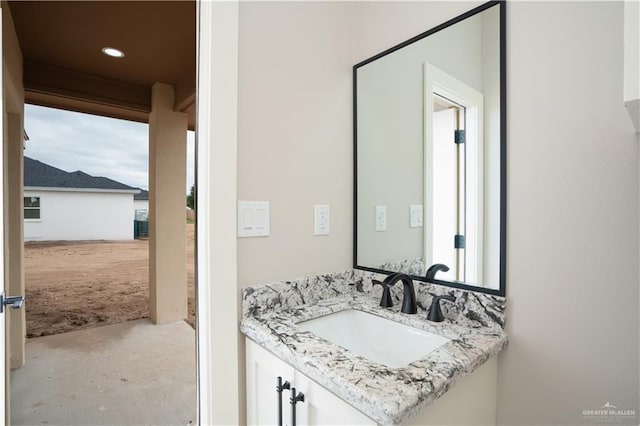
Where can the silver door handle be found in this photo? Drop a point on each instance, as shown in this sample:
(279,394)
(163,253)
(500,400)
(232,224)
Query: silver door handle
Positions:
(15,302)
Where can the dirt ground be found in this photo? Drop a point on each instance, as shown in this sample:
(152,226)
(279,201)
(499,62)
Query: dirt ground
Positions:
(75,285)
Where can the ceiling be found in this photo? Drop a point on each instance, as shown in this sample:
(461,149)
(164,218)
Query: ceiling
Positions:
(64,66)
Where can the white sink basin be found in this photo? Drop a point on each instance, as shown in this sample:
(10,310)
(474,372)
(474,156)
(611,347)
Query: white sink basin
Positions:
(378,339)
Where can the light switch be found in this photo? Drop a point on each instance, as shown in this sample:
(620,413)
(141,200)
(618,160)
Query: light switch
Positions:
(321,219)
(415,215)
(253,218)
(259,216)
(247,219)
(381,218)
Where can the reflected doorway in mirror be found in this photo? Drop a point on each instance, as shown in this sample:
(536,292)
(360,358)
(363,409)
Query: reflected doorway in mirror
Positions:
(453,164)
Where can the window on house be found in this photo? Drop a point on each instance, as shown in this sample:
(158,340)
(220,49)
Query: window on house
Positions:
(32,207)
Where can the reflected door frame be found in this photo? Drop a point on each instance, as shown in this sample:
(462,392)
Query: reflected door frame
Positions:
(439,83)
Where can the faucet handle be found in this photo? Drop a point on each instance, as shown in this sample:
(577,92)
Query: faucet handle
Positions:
(435,313)
(385,301)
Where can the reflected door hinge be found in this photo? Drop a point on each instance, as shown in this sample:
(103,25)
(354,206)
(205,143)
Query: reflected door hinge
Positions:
(458,241)
(458,136)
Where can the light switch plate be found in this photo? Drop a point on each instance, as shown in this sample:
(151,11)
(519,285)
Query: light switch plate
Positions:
(253,219)
(321,219)
(381,218)
(415,215)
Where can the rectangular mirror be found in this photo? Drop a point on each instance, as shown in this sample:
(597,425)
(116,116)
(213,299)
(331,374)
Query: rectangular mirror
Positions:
(430,154)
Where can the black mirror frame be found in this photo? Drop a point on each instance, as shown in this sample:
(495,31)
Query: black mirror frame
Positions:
(503,148)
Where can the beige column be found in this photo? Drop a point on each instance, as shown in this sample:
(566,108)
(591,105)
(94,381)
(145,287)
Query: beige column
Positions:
(13,238)
(167,207)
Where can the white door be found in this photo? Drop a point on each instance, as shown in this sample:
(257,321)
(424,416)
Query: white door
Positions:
(444,201)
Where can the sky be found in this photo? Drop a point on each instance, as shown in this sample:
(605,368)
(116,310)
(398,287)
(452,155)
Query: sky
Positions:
(99,146)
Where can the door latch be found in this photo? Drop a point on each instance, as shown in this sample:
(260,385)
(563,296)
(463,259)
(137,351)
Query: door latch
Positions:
(15,302)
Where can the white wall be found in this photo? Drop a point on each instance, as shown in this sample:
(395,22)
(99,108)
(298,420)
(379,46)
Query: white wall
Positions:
(632,50)
(294,138)
(294,135)
(140,205)
(572,271)
(68,215)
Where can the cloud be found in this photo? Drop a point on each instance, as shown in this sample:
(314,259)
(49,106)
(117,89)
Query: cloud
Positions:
(99,146)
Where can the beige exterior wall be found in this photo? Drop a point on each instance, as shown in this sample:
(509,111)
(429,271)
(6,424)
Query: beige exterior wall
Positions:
(14,233)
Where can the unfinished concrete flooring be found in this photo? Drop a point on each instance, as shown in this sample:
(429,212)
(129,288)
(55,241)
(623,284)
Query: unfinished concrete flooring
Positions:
(132,373)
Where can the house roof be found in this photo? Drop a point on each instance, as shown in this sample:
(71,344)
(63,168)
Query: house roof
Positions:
(142,195)
(39,174)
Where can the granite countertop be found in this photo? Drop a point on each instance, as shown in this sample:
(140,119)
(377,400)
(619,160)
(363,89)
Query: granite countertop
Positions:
(388,395)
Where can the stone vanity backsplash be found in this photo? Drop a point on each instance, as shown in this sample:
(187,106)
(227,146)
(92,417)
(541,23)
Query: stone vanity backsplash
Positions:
(474,323)
(474,309)
(413,266)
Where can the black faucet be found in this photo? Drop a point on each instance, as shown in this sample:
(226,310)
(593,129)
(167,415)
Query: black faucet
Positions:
(435,313)
(431,272)
(409,305)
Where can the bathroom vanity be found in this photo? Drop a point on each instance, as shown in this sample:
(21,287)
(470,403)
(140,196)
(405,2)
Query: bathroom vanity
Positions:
(476,393)
(342,386)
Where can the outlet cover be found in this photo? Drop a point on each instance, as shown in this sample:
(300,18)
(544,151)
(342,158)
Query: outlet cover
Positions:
(381,218)
(321,219)
(415,215)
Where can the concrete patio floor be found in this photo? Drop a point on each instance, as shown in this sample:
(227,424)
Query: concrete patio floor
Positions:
(125,374)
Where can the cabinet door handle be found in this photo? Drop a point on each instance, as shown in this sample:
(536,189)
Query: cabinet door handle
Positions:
(279,388)
(295,398)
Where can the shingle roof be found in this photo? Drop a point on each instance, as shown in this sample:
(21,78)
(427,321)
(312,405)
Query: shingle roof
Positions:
(38,174)
(143,195)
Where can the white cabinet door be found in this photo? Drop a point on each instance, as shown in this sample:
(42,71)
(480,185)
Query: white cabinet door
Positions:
(320,407)
(263,370)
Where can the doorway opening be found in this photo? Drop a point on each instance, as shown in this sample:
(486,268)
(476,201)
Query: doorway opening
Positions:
(449,194)
(84,265)
(152,82)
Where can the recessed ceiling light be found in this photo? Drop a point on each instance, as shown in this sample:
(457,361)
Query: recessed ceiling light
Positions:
(113,52)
